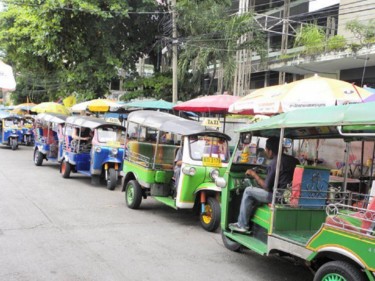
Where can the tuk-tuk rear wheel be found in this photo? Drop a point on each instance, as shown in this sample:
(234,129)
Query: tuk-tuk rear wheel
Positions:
(210,219)
(65,169)
(38,158)
(112,179)
(133,194)
(339,271)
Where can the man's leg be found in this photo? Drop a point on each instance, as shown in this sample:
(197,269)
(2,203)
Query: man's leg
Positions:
(250,198)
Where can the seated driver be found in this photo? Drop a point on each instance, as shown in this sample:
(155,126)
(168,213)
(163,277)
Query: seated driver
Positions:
(84,134)
(252,196)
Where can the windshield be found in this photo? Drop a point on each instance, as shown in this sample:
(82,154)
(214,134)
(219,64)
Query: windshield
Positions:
(208,146)
(111,135)
(10,122)
(250,150)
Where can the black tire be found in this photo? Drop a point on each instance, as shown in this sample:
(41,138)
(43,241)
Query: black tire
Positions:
(38,158)
(339,270)
(28,141)
(133,194)
(112,179)
(230,244)
(210,219)
(14,143)
(65,169)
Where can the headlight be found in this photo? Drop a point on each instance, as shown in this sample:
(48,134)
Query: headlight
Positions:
(220,182)
(114,151)
(98,149)
(189,171)
(214,174)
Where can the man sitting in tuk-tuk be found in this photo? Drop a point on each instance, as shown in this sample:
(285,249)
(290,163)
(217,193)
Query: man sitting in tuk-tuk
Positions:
(83,136)
(252,196)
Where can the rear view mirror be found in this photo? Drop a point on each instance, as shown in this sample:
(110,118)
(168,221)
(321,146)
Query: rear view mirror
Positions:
(246,138)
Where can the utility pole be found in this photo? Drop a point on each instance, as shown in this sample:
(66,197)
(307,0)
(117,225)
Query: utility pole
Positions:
(174,52)
(242,75)
(284,37)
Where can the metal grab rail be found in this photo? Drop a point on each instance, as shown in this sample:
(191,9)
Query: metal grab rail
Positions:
(139,159)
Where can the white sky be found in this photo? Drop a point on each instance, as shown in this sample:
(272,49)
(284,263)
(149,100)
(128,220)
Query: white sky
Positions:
(319,4)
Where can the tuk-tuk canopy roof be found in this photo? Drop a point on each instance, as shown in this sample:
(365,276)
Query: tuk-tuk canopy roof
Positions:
(11,117)
(51,117)
(321,121)
(171,123)
(90,122)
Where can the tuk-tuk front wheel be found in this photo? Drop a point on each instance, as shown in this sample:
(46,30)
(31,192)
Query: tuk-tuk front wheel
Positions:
(133,194)
(14,143)
(65,169)
(28,141)
(112,179)
(339,271)
(230,244)
(210,219)
(38,158)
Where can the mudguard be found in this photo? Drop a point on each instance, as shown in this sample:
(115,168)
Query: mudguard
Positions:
(111,160)
(208,186)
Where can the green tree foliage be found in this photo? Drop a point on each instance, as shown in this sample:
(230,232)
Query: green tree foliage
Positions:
(209,36)
(312,37)
(58,47)
(364,32)
(158,86)
(337,42)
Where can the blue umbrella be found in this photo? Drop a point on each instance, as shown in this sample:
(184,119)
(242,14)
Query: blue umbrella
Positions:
(4,113)
(371,90)
(151,104)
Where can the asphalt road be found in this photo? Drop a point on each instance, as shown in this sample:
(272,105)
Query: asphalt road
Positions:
(66,229)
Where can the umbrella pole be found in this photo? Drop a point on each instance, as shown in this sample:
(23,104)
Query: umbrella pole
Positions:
(369,184)
(224,124)
(346,166)
(362,156)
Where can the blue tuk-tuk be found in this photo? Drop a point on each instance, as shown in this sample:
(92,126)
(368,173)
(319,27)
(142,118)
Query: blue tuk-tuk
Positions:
(98,154)
(10,134)
(48,137)
(26,126)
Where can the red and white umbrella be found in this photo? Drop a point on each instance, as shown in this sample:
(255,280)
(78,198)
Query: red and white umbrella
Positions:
(211,104)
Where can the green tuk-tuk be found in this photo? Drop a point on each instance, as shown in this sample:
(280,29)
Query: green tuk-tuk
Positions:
(316,218)
(153,141)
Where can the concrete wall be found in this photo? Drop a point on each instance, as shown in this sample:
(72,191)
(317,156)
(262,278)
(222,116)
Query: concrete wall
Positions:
(354,9)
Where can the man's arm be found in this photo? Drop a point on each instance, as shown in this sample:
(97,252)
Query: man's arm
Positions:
(257,178)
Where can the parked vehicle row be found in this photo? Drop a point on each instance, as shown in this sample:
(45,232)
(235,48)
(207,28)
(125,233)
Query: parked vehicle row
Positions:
(80,144)
(16,130)
(184,165)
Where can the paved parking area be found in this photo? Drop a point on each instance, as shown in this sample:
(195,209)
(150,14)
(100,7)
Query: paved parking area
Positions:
(66,229)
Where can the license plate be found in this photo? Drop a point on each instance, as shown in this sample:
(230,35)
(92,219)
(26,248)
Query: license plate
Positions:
(211,161)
